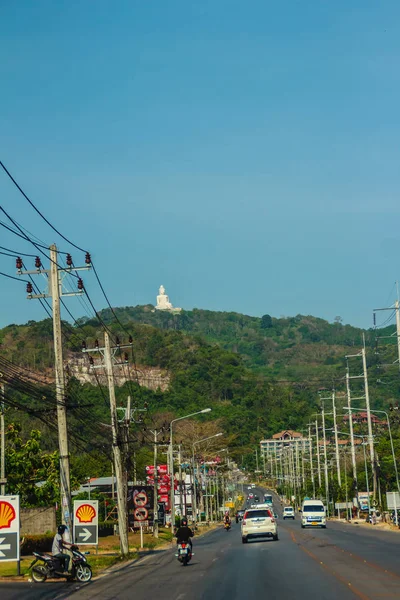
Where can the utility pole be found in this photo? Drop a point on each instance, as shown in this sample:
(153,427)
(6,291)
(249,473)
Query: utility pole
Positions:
(55,291)
(397,310)
(108,354)
(119,471)
(353,450)
(325,461)
(318,456)
(311,460)
(155,432)
(369,421)
(3,442)
(336,439)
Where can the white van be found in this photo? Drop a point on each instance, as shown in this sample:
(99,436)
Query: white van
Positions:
(313,514)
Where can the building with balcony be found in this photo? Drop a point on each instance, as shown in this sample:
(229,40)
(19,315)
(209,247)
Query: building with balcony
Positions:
(284,439)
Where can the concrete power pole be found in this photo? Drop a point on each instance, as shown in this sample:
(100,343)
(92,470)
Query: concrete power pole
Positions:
(311,460)
(60,390)
(56,275)
(353,450)
(336,439)
(119,470)
(318,455)
(3,443)
(369,421)
(325,461)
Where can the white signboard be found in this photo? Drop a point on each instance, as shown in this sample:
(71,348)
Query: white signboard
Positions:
(9,528)
(86,522)
(393,500)
(343,505)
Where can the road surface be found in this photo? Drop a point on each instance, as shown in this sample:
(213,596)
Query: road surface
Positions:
(342,561)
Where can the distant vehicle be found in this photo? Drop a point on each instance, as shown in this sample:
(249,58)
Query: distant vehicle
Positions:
(239,515)
(256,499)
(249,487)
(250,496)
(288,513)
(268,499)
(258,523)
(313,514)
(253,485)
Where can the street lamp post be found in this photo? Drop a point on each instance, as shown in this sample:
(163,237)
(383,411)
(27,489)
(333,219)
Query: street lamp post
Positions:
(194,510)
(172,491)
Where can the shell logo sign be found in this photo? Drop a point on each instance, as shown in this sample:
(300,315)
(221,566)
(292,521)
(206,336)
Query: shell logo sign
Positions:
(85,513)
(7,514)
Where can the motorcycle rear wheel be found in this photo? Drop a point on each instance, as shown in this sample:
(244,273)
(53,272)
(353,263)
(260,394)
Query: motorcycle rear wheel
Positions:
(83,573)
(39,574)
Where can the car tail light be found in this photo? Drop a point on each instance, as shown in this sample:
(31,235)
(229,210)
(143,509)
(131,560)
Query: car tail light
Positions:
(183,545)
(272,520)
(244,521)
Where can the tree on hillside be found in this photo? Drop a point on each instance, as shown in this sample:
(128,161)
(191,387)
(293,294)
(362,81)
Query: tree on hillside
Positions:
(266,322)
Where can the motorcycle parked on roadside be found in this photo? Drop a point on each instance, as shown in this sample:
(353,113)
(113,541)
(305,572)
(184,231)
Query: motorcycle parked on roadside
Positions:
(50,567)
(184,553)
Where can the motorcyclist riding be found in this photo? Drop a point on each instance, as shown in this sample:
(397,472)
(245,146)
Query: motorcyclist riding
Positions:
(184,533)
(59,544)
(227,518)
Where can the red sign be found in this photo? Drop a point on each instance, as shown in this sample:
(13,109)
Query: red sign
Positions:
(164,498)
(164,489)
(162,469)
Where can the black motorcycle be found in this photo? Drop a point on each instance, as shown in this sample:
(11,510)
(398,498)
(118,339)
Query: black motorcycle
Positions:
(52,568)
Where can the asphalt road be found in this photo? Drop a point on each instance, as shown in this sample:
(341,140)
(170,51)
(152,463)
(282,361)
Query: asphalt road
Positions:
(341,561)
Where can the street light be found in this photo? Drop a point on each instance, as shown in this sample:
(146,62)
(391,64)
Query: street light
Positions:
(391,441)
(194,474)
(172,491)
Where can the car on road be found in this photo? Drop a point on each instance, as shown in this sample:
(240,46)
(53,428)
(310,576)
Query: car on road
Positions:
(288,512)
(258,523)
(253,485)
(313,514)
(249,487)
(239,515)
(250,496)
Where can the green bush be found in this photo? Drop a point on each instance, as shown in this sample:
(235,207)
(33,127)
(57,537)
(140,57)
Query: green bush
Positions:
(37,543)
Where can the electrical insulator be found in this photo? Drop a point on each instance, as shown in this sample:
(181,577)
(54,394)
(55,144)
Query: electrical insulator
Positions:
(18,263)
(29,287)
(69,260)
(117,341)
(88,259)
(130,339)
(126,357)
(84,345)
(38,262)
(96,343)
(80,284)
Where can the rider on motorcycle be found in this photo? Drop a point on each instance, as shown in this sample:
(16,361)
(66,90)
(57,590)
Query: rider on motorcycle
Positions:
(184,533)
(59,544)
(227,518)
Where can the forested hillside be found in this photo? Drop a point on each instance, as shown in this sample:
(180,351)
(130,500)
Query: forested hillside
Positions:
(257,375)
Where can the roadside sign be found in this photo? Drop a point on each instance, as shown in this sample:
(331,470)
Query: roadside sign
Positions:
(343,505)
(140,499)
(393,500)
(141,514)
(229,504)
(86,522)
(9,528)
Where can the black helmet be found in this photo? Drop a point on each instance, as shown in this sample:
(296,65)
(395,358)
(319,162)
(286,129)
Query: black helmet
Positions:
(62,529)
(184,522)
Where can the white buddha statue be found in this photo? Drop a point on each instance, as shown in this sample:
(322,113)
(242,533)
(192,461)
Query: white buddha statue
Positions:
(163,302)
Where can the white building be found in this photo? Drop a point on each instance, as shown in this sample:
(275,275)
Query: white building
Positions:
(284,439)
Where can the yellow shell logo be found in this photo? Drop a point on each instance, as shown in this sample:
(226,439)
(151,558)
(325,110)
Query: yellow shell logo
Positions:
(85,513)
(7,514)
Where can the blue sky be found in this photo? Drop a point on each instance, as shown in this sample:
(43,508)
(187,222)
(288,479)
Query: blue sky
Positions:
(244,154)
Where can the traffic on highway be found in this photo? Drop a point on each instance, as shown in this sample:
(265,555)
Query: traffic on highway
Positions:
(280,559)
